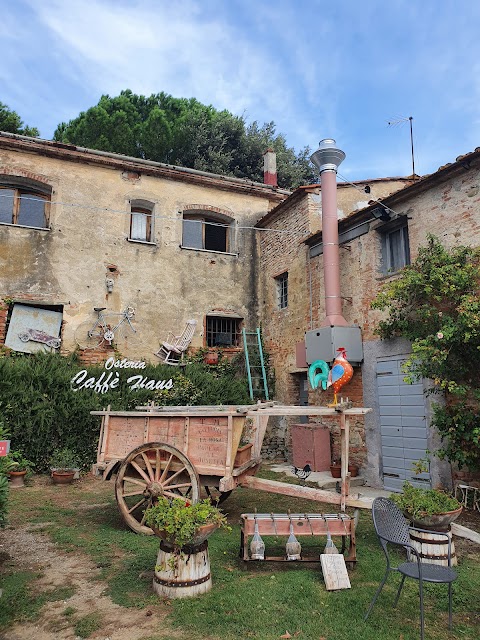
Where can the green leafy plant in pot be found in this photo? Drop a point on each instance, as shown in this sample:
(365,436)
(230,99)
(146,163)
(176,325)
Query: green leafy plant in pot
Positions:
(427,508)
(19,468)
(181,524)
(63,465)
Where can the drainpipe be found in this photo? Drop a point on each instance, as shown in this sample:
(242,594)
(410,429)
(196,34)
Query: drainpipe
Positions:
(327,159)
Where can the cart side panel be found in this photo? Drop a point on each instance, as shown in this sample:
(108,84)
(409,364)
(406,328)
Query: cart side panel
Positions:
(207,441)
(123,434)
(167,429)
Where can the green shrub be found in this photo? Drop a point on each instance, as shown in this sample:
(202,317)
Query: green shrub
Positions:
(43,412)
(4,466)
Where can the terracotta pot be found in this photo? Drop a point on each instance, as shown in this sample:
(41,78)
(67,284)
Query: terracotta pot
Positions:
(336,470)
(17,478)
(353,470)
(211,357)
(435,522)
(62,477)
(243,454)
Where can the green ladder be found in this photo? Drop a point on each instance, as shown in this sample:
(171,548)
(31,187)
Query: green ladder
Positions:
(257,383)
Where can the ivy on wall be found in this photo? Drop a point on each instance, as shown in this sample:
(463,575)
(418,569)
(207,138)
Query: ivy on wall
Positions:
(435,303)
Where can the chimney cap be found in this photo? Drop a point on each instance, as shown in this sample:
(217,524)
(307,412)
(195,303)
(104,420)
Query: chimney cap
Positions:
(328,156)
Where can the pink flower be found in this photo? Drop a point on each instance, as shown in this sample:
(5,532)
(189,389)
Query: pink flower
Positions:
(439,335)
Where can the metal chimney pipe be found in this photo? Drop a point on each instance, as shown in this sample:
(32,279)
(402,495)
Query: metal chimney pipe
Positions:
(327,158)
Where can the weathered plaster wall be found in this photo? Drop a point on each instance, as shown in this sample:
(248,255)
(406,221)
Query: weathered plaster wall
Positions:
(88,240)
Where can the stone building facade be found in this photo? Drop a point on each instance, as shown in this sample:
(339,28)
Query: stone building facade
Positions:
(375,243)
(82,229)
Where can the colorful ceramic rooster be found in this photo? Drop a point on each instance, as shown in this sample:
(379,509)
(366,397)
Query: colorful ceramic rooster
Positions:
(341,373)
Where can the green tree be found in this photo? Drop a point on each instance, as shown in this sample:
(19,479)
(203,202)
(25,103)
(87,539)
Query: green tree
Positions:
(435,304)
(186,133)
(11,122)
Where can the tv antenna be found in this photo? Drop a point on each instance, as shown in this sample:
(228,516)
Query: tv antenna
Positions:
(399,122)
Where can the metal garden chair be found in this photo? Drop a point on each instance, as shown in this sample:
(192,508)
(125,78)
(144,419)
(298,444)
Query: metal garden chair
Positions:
(391,527)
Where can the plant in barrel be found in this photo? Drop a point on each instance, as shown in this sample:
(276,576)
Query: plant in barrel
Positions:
(183,564)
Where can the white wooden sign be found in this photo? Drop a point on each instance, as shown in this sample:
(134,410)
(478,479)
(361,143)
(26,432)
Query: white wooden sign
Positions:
(334,571)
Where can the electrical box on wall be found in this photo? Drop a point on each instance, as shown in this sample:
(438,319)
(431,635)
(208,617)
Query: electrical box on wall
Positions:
(322,343)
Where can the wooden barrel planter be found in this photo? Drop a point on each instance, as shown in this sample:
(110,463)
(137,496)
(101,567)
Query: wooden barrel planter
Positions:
(185,575)
(433,548)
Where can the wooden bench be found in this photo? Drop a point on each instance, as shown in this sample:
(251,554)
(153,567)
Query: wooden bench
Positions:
(304,524)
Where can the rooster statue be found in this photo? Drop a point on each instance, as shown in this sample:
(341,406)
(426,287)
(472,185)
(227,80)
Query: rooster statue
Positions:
(340,374)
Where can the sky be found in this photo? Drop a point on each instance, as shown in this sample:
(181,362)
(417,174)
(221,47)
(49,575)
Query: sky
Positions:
(319,69)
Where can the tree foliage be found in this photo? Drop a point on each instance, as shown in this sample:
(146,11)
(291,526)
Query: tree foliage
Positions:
(185,132)
(435,304)
(11,122)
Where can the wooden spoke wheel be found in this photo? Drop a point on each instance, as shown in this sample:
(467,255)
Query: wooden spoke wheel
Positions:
(150,471)
(216,496)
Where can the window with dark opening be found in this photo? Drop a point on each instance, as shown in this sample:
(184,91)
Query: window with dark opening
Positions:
(395,247)
(223,332)
(24,206)
(202,232)
(281,282)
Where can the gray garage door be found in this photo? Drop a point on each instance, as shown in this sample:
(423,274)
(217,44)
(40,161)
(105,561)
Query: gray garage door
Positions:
(403,425)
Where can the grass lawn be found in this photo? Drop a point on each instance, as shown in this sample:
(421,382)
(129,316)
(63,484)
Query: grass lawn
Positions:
(249,600)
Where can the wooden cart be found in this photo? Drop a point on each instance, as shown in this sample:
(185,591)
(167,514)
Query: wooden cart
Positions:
(173,451)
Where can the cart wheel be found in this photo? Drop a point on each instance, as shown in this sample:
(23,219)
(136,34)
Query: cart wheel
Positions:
(216,496)
(152,470)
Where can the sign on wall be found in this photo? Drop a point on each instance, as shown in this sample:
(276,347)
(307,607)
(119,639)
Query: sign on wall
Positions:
(110,378)
(33,329)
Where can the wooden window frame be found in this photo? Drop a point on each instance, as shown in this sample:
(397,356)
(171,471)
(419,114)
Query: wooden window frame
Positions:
(235,331)
(149,226)
(387,232)
(206,219)
(281,282)
(18,193)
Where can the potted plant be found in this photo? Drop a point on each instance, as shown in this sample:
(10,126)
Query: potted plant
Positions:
(19,468)
(183,563)
(182,524)
(336,469)
(63,465)
(427,508)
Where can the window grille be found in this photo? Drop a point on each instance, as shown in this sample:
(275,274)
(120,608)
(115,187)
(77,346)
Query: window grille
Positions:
(223,332)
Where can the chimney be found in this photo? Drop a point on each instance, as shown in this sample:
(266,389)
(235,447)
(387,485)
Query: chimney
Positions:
(270,167)
(327,158)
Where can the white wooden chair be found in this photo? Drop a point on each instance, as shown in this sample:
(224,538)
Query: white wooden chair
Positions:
(172,350)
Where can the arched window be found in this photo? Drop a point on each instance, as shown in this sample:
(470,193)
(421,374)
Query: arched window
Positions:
(141,221)
(24,202)
(205,230)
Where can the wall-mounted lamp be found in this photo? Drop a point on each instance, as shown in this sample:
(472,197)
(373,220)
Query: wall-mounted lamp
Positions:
(380,213)
(109,282)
